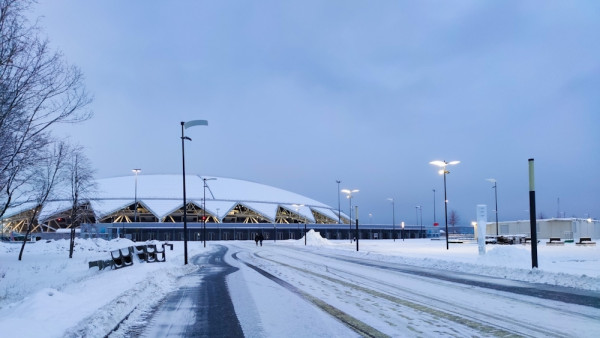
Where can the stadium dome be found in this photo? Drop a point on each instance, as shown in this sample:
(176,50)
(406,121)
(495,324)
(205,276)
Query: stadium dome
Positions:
(160,199)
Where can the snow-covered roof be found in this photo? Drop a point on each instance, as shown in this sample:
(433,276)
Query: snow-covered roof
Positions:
(163,194)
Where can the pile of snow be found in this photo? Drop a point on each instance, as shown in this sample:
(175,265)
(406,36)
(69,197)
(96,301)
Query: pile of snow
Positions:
(313,238)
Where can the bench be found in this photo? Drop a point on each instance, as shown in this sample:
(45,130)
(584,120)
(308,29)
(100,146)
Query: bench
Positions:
(155,255)
(585,241)
(122,259)
(149,253)
(142,252)
(527,240)
(555,241)
(101,264)
(505,240)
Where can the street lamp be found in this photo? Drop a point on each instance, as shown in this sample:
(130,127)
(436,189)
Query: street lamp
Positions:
(419,210)
(349,193)
(402,232)
(136,172)
(204,208)
(185,125)
(393,219)
(218,223)
(339,208)
(297,207)
(495,187)
(443,171)
(434,222)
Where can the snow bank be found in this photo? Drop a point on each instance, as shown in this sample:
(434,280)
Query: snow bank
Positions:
(48,287)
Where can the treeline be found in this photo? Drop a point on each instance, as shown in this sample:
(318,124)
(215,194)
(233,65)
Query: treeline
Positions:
(38,90)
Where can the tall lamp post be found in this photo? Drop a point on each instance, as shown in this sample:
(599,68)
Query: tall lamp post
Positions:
(393,219)
(349,193)
(339,208)
(443,171)
(185,125)
(402,232)
(204,179)
(136,172)
(495,187)
(297,207)
(419,211)
(417,217)
(434,222)
(219,221)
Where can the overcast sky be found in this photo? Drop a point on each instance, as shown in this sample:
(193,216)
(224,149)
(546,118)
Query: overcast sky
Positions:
(299,94)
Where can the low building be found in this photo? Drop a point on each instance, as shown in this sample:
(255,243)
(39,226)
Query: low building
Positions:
(564,228)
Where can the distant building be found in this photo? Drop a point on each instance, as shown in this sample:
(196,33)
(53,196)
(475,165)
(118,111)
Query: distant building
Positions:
(158,199)
(565,228)
(232,210)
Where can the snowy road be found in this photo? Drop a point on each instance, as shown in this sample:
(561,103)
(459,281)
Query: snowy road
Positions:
(378,298)
(201,307)
(286,289)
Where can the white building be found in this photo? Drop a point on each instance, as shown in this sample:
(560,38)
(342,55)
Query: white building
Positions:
(565,228)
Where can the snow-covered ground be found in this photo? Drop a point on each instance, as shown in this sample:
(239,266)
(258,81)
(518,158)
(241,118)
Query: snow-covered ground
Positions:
(49,295)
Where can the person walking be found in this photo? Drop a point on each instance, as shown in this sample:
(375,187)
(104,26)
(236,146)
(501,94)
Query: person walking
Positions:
(256,238)
(261,238)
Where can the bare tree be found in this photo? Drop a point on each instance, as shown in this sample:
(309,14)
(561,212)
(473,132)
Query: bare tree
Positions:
(82,185)
(37,90)
(44,179)
(453,219)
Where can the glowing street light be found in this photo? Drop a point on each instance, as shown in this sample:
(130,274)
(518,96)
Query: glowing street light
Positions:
(185,125)
(443,171)
(402,232)
(349,193)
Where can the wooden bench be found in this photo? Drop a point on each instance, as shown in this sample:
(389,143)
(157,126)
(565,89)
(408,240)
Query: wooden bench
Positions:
(555,241)
(585,241)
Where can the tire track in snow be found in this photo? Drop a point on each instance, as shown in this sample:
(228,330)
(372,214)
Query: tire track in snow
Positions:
(355,324)
(479,326)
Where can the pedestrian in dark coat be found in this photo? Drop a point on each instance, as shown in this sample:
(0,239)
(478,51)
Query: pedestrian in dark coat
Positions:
(256,238)
(261,238)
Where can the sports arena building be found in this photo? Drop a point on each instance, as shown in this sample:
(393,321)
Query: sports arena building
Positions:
(147,207)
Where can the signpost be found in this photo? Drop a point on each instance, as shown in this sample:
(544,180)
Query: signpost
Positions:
(481,227)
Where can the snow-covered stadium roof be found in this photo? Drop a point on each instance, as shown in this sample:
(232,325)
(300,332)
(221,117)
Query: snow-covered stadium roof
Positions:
(163,194)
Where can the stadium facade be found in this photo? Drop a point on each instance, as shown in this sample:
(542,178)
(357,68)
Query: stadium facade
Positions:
(150,207)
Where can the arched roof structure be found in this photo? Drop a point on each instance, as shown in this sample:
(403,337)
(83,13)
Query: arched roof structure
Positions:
(160,198)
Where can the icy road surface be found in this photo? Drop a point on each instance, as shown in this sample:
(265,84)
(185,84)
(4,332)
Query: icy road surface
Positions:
(385,299)
(292,291)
